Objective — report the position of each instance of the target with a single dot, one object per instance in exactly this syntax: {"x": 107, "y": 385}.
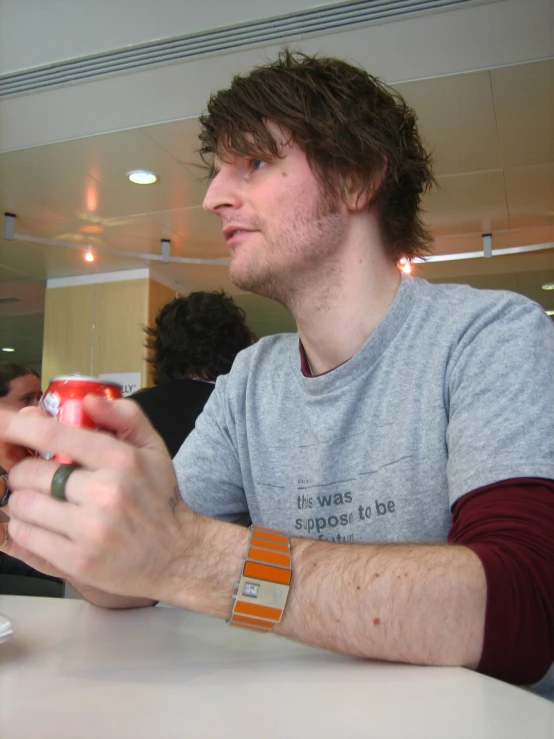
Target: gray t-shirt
{"x": 454, "y": 390}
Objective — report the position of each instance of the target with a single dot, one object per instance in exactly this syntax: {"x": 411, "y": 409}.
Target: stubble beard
{"x": 309, "y": 241}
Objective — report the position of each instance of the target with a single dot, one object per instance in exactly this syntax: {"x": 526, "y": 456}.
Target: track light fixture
{"x": 487, "y": 246}
{"x": 9, "y": 226}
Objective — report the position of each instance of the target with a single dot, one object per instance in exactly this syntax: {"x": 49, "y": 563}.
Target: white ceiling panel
{"x": 180, "y": 140}
{"x": 191, "y": 231}
{"x": 88, "y": 177}
{"x": 49, "y": 180}
{"x": 473, "y": 242}
{"x": 468, "y": 203}
{"x": 40, "y": 262}
{"x": 540, "y": 262}
{"x": 191, "y": 277}
{"x": 456, "y": 116}
{"x": 198, "y": 227}
{"x": 524, "y": 101}
{"x": 530, "y": 194}
{"x": 460, "y": 40}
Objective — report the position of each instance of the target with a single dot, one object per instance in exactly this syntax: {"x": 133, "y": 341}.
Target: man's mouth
{"x": 233, "y": 234}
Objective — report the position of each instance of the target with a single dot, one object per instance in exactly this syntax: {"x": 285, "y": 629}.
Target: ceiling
{"x": 491, "y": 129}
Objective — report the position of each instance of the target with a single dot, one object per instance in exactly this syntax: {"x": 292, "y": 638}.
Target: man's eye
{"x": 257, "y": 163}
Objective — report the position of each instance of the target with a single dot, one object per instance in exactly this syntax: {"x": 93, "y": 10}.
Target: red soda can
{"x": 63, "y": 400}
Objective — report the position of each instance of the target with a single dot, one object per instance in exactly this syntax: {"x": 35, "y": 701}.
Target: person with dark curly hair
{"x": 194, "y": 340}
{"x": 394, "y": 456}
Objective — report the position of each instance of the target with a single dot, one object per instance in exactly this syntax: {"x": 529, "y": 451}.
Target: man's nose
{"x": 222, "y": 193}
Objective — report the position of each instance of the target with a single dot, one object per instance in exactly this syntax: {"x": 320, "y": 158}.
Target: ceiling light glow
{"x": 142, "y": 177}
{"x": 8, "y": 349}
{"x": 89, "y": 256}
{"x": 548, "y": 286}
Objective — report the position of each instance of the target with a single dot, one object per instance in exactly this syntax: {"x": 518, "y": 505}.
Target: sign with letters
{"x": 129, "y": 381}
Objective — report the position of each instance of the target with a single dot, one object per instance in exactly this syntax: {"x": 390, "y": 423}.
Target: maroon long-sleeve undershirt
{"x": 510, "y": 527}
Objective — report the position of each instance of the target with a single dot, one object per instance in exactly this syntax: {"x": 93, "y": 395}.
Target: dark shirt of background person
{"x": 195, "y": 339}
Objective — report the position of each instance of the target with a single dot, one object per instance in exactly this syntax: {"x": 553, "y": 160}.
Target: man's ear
{"x": 359, "y": 198}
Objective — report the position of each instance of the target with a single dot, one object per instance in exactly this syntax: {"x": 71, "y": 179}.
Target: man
{"x": 195, "y": 339}
{"x": 402, "y": 442}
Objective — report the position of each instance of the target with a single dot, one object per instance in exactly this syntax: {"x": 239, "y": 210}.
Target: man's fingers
{"x": 34, "y": 410}
{"x": 41, "y": 510}
{"x": 11, "y": 454}
{"x": 44, "y": 550}
{"x": 36, "y": 474}
{"x": 125, "y": 419}
{"x": 89, "y": 448}
{"x": 37, "y": 563}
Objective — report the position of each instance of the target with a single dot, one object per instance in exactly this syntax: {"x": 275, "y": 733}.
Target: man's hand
{"x": 11, "y": 454}
{"x": 124, "y": 527}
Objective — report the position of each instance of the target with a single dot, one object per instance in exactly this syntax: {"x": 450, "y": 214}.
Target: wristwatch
{"x": 4, "y": 489}
{"x": 262, "y": 591}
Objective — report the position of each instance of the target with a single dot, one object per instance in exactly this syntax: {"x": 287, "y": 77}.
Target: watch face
{"x": 251, "y": 589}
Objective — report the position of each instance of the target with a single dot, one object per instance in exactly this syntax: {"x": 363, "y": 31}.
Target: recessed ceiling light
{"x": 142, "y": 177}
{"x": 8, "y": 349}
{"x": 548, "y": 286}
{"x": 89, "y": 256}
{"x": 550, "y": 312}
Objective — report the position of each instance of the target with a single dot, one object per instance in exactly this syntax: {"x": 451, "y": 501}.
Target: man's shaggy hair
{"x": 355, "y": 131}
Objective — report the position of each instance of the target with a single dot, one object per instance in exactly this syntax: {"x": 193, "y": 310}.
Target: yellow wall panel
{"x": 99, "y": 328}
{"x": 120, "y": 312}
{"x": 68, "y": 318}
{"x": 158, "y": 296}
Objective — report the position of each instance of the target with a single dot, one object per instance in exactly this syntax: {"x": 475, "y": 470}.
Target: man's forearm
{"x": 423, "y": 604}
{"x": 109, "y": 600}
{"x": 408, "y": 603}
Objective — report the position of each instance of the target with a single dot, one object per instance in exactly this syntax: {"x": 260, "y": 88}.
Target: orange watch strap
{"x": 261, "y": 593}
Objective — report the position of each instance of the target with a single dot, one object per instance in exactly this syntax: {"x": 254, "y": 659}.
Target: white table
{"x": 72, "y": 671}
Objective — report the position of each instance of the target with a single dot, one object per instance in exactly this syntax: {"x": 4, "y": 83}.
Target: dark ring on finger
{"x": 7, "y": 491}
{"x": 59, "y": 481}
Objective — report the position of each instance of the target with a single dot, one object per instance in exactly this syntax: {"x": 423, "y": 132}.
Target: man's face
{"x": 281, "y": 229}
{"x": 22, "y": 392}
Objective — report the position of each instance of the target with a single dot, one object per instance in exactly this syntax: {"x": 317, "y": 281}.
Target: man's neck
{"x": 335, "y": 318}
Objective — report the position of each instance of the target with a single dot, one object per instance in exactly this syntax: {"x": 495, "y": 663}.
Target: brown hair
{"x": 11, "y": 371}
{"x": 351, "y": 126}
